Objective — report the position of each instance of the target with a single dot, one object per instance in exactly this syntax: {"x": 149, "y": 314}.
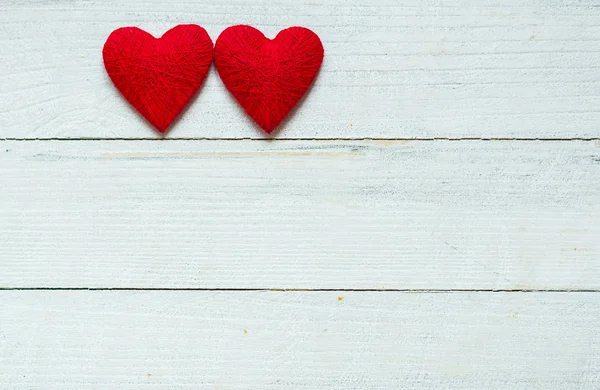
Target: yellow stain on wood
{"x": 340, "y": 298}
{"x": 148, "y": 375}
{"x": 388, "y": 142}
{"x": 245, "y": 331}
{"x": 228, "y": 154}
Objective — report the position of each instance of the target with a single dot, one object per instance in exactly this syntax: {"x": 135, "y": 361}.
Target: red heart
{"x": 158, "y": 76}
{"x": 268, "y": 77}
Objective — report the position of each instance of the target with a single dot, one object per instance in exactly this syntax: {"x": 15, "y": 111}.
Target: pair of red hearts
{"x": 159, "y": 76}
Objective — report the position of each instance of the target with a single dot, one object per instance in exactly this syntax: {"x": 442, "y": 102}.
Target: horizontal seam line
{"x": 307, "y": 139}
{"x": 300, "y": 290}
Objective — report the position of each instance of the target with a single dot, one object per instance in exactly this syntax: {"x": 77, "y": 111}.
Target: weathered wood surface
{"x": 325, "y": 211}
{"x": 301, "y": 214}
{"x": 408, "y": 69}
{"x": 299, "y": 340}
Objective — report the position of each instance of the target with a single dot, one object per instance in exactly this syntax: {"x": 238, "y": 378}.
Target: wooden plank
{"x": 301, "y": 214}
{"x": 275, "y": 340}
{"x": 393, "y": 69}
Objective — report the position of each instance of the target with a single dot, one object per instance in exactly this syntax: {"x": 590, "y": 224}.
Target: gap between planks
{"x": 233, "y": 289}
{"x": 296, "y": 139}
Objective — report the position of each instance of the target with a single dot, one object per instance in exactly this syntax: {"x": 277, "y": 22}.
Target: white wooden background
{"x": 428, "y": 218}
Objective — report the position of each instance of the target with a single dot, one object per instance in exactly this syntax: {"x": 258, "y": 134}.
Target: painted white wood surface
{"x": 387, "y": 215}
{"x": 299, "y": 340}
{"x": 393, "y": 69}
{"x": 301, "y": 214}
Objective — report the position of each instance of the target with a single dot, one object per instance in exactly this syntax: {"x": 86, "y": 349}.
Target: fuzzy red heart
{"x": 268, "y": 77}
{"x": 158, "y": 76}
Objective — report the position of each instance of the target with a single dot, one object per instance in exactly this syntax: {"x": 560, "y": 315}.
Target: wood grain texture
{"x": 307, "y": 214}
{"x": 301, "y": 214}
{"x": 393, "y": 69}
{"x": 274, "y": 340}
